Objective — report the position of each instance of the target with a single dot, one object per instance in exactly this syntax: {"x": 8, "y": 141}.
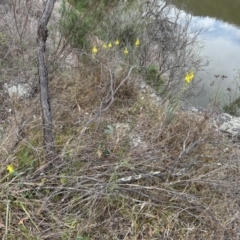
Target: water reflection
{"x": 225, "y": 10}
{"x": 220, "y": 21}
{"x": 222, "y": 47}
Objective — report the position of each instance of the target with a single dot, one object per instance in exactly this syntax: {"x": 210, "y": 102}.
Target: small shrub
{"x": 233, "y": 107}
{"x": 154, "y": 79}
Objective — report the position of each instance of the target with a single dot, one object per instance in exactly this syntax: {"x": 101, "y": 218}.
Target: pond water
{"x": 220, "y": 22}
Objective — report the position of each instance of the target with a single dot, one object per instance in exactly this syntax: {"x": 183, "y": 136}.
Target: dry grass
{"x": 128, "y": 173}
{"x": 195, "y": 195}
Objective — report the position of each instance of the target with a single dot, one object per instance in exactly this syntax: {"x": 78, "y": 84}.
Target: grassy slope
{"x": 194, "y": 199}
{"x": 84, "y": 195}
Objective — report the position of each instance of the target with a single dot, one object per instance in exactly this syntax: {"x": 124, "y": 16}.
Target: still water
{"x": 220, "y": 23}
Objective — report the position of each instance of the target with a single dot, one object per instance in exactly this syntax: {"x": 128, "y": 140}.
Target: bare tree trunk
{"x": 42, "y": 35}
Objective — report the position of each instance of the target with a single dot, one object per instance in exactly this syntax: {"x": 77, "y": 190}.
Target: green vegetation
{"x": 150, "y": 41}
{"x": 232, "y": 102}
{"x": 233, "y": 107}
{"x": 78, "y": 22}
{"x": 153, "y": 78}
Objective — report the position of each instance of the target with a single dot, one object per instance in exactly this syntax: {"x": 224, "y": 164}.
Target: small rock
{"x": 227, "y": 124}
{"x": 21, "y": 91}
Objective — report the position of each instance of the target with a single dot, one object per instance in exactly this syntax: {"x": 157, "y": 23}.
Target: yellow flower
{"x": 104, "y": 45}
{"x": 10, "y": 168}
{"x": 125, "y": 51}
{"x": 94, "y": 50}
{"x": 189, "y": 77}
{"x": 110, "y": 45}
{"x": 117, "y": 42}
{"x": 137, "y": 43}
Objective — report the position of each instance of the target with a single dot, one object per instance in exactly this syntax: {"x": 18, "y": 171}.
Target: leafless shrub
{"x": 168, "y": 42}
{"x": 18, "y": 60}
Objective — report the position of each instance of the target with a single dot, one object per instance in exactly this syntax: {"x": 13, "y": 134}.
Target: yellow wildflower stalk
{"x": 104, "y": 45}
{"x": 137, "y": 43}
{"x": 125, "y": 51}
{"x": 116, "y": 42}
{"x": 94, "y": 50}
{"x": 189, "y": 77}
{"x": 10, "y": 168}
{"x": 110, "y": 45}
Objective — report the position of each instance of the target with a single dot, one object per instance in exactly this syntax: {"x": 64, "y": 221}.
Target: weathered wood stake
{"x": 42, "y": 35}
